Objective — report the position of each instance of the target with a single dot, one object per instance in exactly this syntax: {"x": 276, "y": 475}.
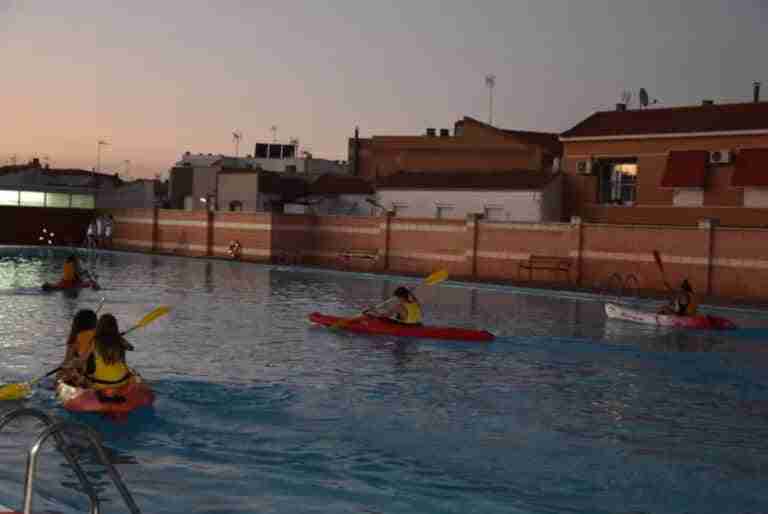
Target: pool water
{"x": 257, "y": 411}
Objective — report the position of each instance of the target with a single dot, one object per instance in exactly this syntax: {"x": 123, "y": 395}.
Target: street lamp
{"x": 490, "y": 82}
{"x": 99, "y": 144}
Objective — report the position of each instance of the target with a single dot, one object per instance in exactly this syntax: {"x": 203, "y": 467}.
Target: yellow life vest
{"x": 412, "y": 313}
{"x": 84, "y": 342}
{"x": 693, "y": 305}
{"x": 107, "y": 376}
{"x": 69, "y": 272}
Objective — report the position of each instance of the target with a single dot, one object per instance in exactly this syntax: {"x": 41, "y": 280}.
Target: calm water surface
{"x": 257, "y": 411}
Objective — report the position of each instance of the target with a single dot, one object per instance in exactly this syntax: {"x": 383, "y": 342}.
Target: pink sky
{"x": 158, "y": 78}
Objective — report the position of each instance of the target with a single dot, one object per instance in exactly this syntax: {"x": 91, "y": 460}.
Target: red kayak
{"x": 701, "y": 322}
{"x": 65, "y": 286}
{"x": 121, "y": 400}
{"x": 374, "y": 325}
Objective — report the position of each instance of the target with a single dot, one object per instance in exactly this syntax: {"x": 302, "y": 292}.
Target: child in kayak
{"x": 79, "y": 346}
{"x": 407, "y": 310}
{"x": 72, "y": 273}
{"x": 684, "y": 302}
{"x": 107, "y": 368}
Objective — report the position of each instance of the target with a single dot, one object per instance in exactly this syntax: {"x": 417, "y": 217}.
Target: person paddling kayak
{"x": 407, "y": 310}
{"x": 684, "y": 302}
{"x": 72, "y": 273}
{"x": 79, "y": 346}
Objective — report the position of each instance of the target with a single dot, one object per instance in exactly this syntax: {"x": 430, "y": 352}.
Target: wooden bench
{"x": 543, "y": 262}
{"x": 347, "y": 256}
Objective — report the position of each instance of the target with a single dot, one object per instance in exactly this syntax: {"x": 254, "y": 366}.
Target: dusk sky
{"x": 157, "y": 78}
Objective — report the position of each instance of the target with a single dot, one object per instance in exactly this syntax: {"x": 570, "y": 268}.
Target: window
{"x": 688, "y": 197}
{"x": 262, "y": 151}
{"x": 493, "y": 213}
{"x": 9, "y": 197}
{"x": 617, "y": 182}
{"x": 56, "y": 200}
{"x": 275, "y": 151}
{"x": 444, "y": 211}
{"x": 32, "y": 198}
{"x": 399, "y": 209}
{"x": 83, "y": 202}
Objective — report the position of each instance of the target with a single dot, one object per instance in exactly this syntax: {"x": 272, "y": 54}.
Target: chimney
{"x": 707, "y": 102}
{"x": 431, "y": 132}
{"x": 756, "y": 91}
{"x": 621, "y": 107}
{"x": 444, "y": 132}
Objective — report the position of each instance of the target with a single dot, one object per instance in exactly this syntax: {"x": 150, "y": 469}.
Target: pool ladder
{"x": 56, "y": 429}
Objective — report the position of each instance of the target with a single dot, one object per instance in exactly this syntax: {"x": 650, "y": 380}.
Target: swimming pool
{"x": 259, "y": 412}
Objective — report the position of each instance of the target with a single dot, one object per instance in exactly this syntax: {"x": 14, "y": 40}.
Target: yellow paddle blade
{"x": 436, "y": 277}
{"x": 15, "y": 391}
{"x": 152, "y": 316}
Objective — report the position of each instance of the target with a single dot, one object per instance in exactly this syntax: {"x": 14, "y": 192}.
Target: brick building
{"x": 670, "y": 165}
{"x": 474, "y": 146}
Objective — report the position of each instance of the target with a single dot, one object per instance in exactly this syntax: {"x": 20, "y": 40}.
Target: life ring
{"x": 235, "y": 249}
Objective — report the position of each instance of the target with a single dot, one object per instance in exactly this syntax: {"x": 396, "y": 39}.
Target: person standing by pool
{"x": 108, "y": 228}
{"x": 407, "y": 310}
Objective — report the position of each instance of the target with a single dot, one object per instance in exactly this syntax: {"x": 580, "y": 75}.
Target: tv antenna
{"x": 273, "y": 129}
{"x": 236, "y": 137}
{"x": 490, "y": 83}
{"x": 626, "y": 97}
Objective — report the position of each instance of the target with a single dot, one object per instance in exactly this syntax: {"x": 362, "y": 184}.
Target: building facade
{"x": 473, "y": 147}
{"x": 670, "y": 165}
{"x": 513, "y": 196}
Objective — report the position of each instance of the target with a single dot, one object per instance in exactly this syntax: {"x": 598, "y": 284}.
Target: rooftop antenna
{"x": 643, "y": 96}
{"x": 626, "y": 97}
{"x": 99, "y": 144}
{"x": 236, "y": 137}
{"x": 490, "y": 83}
{"x": 273, "y": 129}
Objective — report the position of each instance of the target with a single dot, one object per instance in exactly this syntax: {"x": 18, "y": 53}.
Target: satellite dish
{"x": 643, "y": 95}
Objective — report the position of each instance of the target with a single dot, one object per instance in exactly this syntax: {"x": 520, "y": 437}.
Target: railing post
{"x": 387, "y": 227}
{"x": 209, "y": 227}
{"x": 473, "y": 227}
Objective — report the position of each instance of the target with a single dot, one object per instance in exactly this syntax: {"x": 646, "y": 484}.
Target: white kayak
{"x": 705, "y": 322}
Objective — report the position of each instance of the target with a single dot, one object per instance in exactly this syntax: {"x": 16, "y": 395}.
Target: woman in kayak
{"x": 684, "y": 303}
{"x": 107, "y": 367}
{"x": 407, "y": 310}
{"x": 72, "y": 274}
{"x": 79, "y": 346}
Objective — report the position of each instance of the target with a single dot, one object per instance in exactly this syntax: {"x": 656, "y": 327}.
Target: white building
{"x": 194, "y": 177}
{"x": 523, "y": 196}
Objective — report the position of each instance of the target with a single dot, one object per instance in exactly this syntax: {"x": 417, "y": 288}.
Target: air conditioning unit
{"x": 584, "y": 167}
{"x": 720, "y": 157}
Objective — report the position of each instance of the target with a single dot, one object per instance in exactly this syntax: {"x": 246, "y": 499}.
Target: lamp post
{"x": 490, "y": 82}
{"x": 99, "y": 144}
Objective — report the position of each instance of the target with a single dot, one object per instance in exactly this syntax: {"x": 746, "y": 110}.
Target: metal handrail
{"x": 94, "y": 439}
{"x": 62, "y": 446}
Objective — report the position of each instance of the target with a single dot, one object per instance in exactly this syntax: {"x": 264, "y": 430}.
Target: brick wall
{"x": 651, "y": 154}
{"x": 718, "y": 260}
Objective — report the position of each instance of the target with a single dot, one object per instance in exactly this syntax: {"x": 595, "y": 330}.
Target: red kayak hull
{"x": 64, "y": 286}
{"x": 373, "y": 325}
{"x": 135, "y": 395}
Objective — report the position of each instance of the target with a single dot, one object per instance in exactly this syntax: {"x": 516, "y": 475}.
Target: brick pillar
{"x": 209, "y": 227}
{"x": 472, "y": 229}
{"x": 155, "y": 227}
{"x": 707, "y": 226}
{"x": 386, "y": 227}
{"x": 577, "y": 242}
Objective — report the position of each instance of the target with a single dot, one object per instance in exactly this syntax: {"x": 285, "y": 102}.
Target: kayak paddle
{"x": 21, "y": 390}
{"x": 435, "y": 278}
{"x": 657, "y": 257}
